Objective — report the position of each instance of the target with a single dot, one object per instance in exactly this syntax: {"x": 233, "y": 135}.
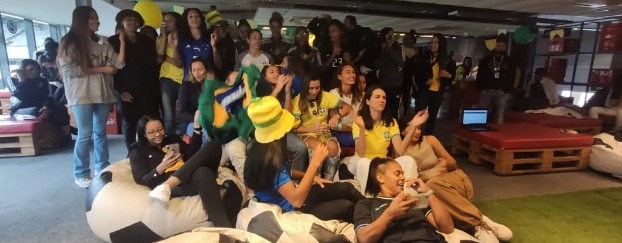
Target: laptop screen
{"x": 470, "y": 117}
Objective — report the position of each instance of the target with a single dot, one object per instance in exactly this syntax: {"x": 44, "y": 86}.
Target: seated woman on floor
{"x": 452, "y": 186}
{"x": 278, "y": 85}
{"x": 32, "y": 97}
{"x": 390, "y": 216}
{"x": 374, "y": 131}
{"x": 268, "y": 172}
{"x": 348, "y": 90}
{"x": 173, "y": 168}
{"x": 317, "y": 112}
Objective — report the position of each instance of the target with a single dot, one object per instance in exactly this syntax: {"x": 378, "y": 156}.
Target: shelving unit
{"x": 581, "y": 64}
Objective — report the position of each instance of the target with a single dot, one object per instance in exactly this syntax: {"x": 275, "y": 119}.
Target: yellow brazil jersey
{"x": 436, "y": 81}
{"x": 378, "y": 140}
{"x": 169, "y": 70}
{"x": 317, "y": 113}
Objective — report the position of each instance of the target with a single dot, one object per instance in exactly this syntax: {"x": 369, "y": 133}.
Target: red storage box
{"x": 113, "y": 124}
{"x": 556, "y": 69}
{"x": 611, "y": 38}
{"x": 604, "y": 77}
{"x": 564, "y": 45}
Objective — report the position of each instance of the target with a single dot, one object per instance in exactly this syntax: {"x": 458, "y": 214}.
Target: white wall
{"x": 59, "y": 11}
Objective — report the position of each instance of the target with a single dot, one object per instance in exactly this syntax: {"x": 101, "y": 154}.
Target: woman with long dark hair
{"x": 268, "y": 172}
{"x": 87, "y": 62}
{"x": 171, "y": 70}
{"x": 348, "y": 90}
{"x": 224, "y": 49}
{"x": 302, "y": 48}
{"x": 433, "y": 73}
{"x": 390, "y": 69}
{"x": 463, "y": 71}
{"x": 391, "y": 216}
{"x": 335, "y": 54}
{"x": 193, "y": 39}
{"x": 452, "y": 186}
{"x": 173, "y": 168}
{"x": 137, "y": 83}
{"x": 317, "y": 112}
{"x": 374, "y": 131}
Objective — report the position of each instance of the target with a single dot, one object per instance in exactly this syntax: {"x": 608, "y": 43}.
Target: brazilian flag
{"x": 223, "y": 106}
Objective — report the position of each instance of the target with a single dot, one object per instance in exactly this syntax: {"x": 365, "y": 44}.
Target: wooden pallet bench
{"x": 540, "y": 155}
{"x": 524, "y": 161}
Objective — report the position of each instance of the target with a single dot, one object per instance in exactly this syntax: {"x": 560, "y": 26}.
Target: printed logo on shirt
{"x": 322, "y": 109}
{"x": 379, "y": 207}
{"x": 386, "y": 134}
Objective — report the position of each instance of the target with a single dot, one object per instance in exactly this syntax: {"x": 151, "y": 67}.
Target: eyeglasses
{"x": 153, "y": 133}
{"x": 302, "y": 34}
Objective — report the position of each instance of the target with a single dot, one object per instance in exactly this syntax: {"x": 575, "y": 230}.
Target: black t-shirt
{"x": 412, "y": 227}
{"x": 537, "y": 91}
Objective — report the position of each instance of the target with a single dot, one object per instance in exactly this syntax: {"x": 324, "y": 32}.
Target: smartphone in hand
{"x": 173, "y": 147}
{"x": 422, "y": 198}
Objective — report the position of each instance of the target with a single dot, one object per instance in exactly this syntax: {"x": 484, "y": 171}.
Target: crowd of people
{"x": 277, "y": 113}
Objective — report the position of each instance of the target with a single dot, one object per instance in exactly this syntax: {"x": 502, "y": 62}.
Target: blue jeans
{"x": 91, "y": 121}
{"x": 298, "y": 147}
{"x": 170, "y": 92}
{"x": 190, "y": 131}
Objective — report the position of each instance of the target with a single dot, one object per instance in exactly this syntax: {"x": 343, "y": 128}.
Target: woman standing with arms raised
{"x": 87, "y": 62}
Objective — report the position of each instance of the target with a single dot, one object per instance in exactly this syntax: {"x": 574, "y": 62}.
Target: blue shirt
{"x": 191, "y": 49}
{"x": 273, "y": 196}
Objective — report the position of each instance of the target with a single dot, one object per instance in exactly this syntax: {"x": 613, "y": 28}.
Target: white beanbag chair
{"x": 269, "y": 222}
{"x": 607, "y": 159}
{"x": 216, "y": 235}
{"x": 119, "y": 210}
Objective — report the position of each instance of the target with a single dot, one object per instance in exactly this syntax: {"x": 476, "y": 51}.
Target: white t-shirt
{"x": 347, "y": 120}
{"x": 245, "y": 58}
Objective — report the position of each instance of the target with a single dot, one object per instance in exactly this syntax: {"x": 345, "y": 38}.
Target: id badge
{"x": 497, "y": 75}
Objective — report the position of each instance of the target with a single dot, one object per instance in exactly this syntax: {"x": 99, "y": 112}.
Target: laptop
{"x": 476, "y": 120}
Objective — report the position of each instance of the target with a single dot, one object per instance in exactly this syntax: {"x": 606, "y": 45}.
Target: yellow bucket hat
{"x": 271, "y": 121}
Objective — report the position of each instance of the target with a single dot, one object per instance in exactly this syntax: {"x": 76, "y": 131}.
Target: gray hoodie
{"x": 82, "y": 88}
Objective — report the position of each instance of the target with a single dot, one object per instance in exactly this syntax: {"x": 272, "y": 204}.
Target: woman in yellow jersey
{"x": 374, "y": 131}
{"x": 317, "y": 112}
{"x": 433, "y": 73}
{"x": 171, "y": 72}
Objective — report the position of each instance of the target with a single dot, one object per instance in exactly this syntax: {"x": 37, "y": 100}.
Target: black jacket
{"x": 423, "y": 72}
{"x": 144, "y": 158}
{"x": 188, "y": 103}
{"x": 31, "y": 93}
{"x": 485, "y": 74}
{"x": 140, "y": 73}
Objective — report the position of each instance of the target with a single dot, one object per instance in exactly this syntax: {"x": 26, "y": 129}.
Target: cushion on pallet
{"x": 9, "y": 126}
{"x": 525, "y": 136}
{"x": 5, "y": 94}
{"x": 551, "y": 120}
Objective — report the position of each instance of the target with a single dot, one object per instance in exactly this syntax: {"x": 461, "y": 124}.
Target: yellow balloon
{"x": 150, "y": 12}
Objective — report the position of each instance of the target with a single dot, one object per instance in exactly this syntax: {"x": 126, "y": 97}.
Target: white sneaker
{"x": 485, "y": 235}
{"x": 83, "y": 182}
{"x": 501, "y": 231}
{"x": 162, "y": 193}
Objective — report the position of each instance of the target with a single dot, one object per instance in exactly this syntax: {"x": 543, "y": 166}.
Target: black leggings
{"x": 432, "y": 100}
{"x": 198, "y": 176}
{"x": 334, "y": 201}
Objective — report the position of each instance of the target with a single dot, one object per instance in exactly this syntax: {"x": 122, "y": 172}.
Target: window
{"x": 42, "y": 31}
{"x": 15, "y": 39}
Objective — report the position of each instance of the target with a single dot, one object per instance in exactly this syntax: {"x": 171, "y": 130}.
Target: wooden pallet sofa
{"x": 522, "y": 148}
{"x": 583, "y": 125}
{"x": 24, "y": 138}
